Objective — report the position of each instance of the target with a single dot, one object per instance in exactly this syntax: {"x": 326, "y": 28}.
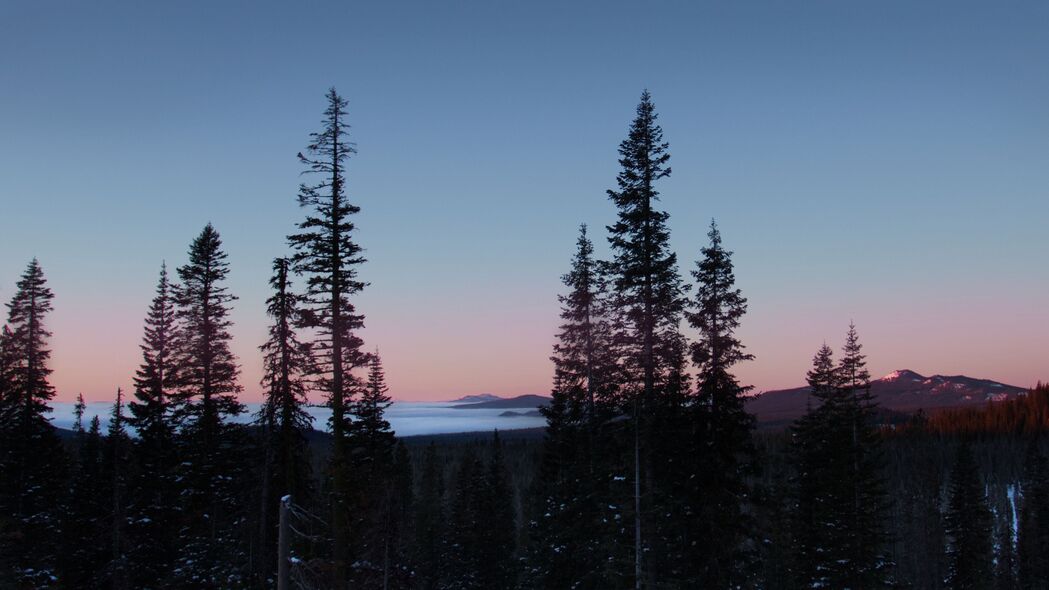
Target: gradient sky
{"x": 885, "y": 162}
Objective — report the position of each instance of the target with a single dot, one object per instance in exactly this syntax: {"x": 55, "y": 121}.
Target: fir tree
{"x": 327, "y": 254}
{"x": 207, "y": 389}
{"x": 970, "y": 554}
{"x": 841, "y": 495}
{"x": 30, "y": 453}
{"x": 564, "y": 548}
{"x": 648, "y": 300}
{"x": 86, "y": 540}
{"x": 117, "y": 459}
{"x": 867, "y": 564}
{"x": 714, "y": 474}
{"x": 283, "y": 418}
{"x": 152, "y": 495}
{"x": 372, "y": 461}
{"x": 811, "y": 441}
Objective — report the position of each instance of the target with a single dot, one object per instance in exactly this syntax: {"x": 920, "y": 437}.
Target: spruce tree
{"x": 648, "y": 299}
{"x": 152, "y": 495}
{"x": 865, "y": 545}
{"x": 715, "y": 470}
{"x": 372, "y": 462}
{"x": 970, "y": 554}
{"x": 328, "y": 255}
{"x": 812, "y": 454}
{"x": 31, "y": 456}
{"x": 117, "y": 458}
{"x": 842, "y": 500}
{"x": 207, "y": 393}
{"x": 86, "y": 539}
{"x": 283, "y": 418}
{"x": 566, "y": 529}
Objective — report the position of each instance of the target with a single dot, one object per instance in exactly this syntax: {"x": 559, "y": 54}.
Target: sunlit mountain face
{"x": 900, "y": 391}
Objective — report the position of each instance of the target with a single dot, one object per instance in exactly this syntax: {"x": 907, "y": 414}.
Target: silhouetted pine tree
{"x": 31, "y": 457}
{"x": 327, "y": 254}
{"x": 85, "y": 539}
{"x": 117, "y": 459}
{"x": 714, "y": 491}
{"x": 811, "y": 437}
{"x": 283, "y": 419}
{"x": 865, "y": 545}
{"x": 841, "y": 493}
{"x": 648, "y": 297}
{"x": 373, "y": 444}
{"x": 152, "y": 518}
{"x": 1032, "y": 539}
{"x": 969, "y": 522}
{"x": 566, "y": 530}
{"x": 210, "y": 547}
{"x": 430, "y": 522}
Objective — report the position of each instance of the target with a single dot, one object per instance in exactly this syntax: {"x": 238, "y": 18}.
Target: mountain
{"x": 521, "y": 401}
{"x": 480, "y": 397}
{"x": 900, "y": 391}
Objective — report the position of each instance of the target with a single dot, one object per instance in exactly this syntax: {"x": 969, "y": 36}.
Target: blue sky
{"x": 885, "y": 162}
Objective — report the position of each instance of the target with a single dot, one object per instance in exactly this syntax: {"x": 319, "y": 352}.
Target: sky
{"x": 885, "y": 163}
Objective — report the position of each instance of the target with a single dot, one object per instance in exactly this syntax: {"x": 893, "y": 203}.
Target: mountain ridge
{"x": 902, "y": 390}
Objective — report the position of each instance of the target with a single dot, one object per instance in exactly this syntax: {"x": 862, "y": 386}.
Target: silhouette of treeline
{"x": 1022, "y": 415}
{"x": 650, "y": 473}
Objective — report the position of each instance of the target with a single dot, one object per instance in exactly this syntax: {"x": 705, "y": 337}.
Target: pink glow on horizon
{"x": 485, "y": 348}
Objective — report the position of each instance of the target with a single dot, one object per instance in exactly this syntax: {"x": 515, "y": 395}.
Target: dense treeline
{"x": 650, "y": 473}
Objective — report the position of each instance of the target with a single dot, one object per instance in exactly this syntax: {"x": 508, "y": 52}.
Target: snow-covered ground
{"x": 406, "y": 418}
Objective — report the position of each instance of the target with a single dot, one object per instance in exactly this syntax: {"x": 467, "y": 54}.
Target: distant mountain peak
{"x": 479, "y": 397}
{"x": 902, "y": 374}
{"x": 902, "y": 391}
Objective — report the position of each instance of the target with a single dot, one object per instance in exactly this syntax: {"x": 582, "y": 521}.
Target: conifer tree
{"x": 714, "y": 473}
{"x": 117, "y": 459}
{"x": 841, "y": 495}
{"x": 865, "y": 544}
{"x": 565, "y": 532}
{"x": 85, "y": 541}
{"x": 811, "y": 439}
{"x": 328, "y": 255}
{"x": 30, "y": 453}
{"x": 207, "y": 393}
{"x": 283, "y": 418}
{"x": 648, "y": 300}
{"x": 372, "y": 461}
{"x": 970, "y": 554}
{"x": 152, "y": 494}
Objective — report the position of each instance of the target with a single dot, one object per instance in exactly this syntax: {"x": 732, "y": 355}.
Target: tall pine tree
{"x": 283, "y": 418}
{"x": 152, "y": 501}
{"x": 648, "y": 298}
{"x": 714, "y": 471}
{"x": 567, "y": 528}
{"x": 207, "y": 391}
{"x": 30, "y": 454}
{"x": 328, "y": 255}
